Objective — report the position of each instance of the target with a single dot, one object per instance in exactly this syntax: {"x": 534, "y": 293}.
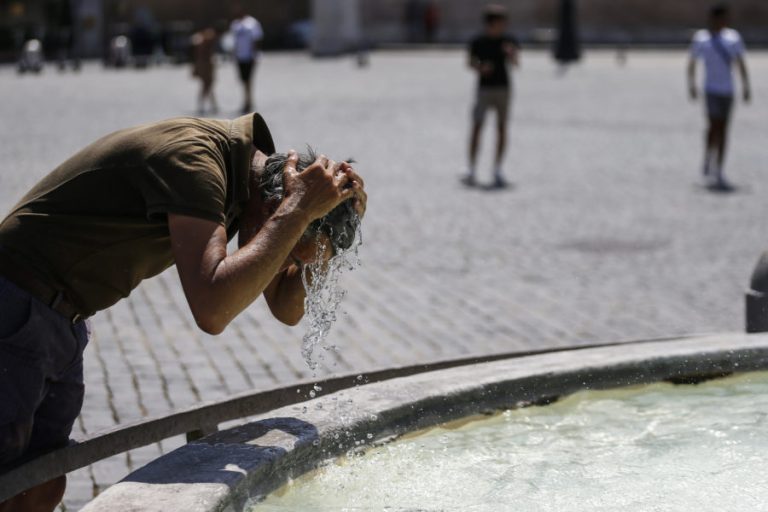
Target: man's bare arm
{"x": 692, "y": 92}
{"x": 219, "y": 286}
{"x": 746, "y": 90}
{"x": 513, "y": 54}
{"x": 285, "y": 296}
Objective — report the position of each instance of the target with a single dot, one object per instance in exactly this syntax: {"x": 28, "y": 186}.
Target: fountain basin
{"x": 231, "y": 469}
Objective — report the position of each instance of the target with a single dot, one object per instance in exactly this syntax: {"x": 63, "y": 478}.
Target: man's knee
{"x": 14, "y": 441}
{"x": 42, "y": 498}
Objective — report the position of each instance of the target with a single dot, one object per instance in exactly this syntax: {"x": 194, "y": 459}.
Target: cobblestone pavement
{"x": 606, "y": 234}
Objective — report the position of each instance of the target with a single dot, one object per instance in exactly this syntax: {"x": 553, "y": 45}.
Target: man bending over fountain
{"x": 126, "y": 208}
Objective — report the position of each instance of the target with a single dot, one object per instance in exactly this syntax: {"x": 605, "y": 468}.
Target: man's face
{"x": 497, "y": 27}
{"x": 719, "y": 22}
{"x": 306, "y": 249}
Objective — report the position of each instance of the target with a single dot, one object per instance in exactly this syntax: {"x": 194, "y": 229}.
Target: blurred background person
{"x": 247, "y": 33}
{"x": 719, "y": 47}
{"x": 204, "y": 43}
{"x": 31, "y": 57}
{"x": 143, "y": 36}
{"x": 61, "y": 36}
{"x": 431, "y": 20}
{"x": 489, "y": 56}
{"x": 412, "y": 18}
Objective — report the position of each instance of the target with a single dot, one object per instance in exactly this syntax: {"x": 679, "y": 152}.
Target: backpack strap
{"x": 717, "y": 44}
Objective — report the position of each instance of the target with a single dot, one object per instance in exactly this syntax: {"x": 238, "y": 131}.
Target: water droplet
{"x": 312, "y": 393}
{"x": 369, "y": 435}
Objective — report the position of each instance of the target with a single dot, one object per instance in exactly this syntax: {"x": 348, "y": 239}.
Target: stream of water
{"x": 324, "y": 294}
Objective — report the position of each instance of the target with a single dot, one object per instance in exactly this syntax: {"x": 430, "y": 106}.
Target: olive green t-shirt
{"x": 97, "y": 226}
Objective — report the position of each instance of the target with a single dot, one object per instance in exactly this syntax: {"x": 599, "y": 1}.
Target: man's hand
{"x": 357, "y": 185}
{"x": 511, "y": 51}
{"x": 316, "y": 190}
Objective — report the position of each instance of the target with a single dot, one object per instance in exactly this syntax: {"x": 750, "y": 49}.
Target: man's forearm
{"x": 285, "y": 296}
{"x": 219, "y": 286}
{"x": 744, "y": 74}
{"x": 241, "y": 277}
{"x": 691, "y": 74}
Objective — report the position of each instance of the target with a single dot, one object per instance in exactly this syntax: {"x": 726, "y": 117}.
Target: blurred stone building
{"x": 601, "y": 21}
{"x": 288, "y": 23}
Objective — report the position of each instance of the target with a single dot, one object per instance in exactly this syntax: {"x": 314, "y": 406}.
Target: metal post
{"x": 757, "y": 297}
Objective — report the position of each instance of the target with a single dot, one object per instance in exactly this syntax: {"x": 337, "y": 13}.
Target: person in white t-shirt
{"x": 720, "y": 48}
{"x": 247, "y": 34}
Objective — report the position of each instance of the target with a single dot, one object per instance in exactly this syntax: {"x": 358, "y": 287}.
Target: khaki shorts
{"x": 494, "y": 98}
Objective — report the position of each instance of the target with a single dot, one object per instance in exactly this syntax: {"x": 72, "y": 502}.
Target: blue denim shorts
{"x": 41, "y": 376}
{"x": 719, "y": 106}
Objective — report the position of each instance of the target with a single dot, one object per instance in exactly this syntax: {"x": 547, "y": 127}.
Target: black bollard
{"x": 757, "y": 297}
{"x": 567, "y": 46}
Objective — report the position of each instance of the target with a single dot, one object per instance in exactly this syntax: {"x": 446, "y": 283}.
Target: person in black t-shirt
{"x": 489, "y": 55}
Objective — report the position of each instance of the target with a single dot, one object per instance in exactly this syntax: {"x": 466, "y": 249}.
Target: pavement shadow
{"x": 489, "y": 187}
{"x": 729, "y": 190}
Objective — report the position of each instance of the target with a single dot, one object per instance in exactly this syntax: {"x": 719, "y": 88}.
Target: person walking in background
{"x": 489, "y": 55}
{"x": 247, "y": 34}
{"x": 203, "y": 48}
{"x": 719, "y": 47}
{"x": 431, "y": 20}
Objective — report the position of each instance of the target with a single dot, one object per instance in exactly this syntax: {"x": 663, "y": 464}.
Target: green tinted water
{"x": 650, "y": 448}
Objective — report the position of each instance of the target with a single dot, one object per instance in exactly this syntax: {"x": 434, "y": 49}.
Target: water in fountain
{"x": 658, "y": 447}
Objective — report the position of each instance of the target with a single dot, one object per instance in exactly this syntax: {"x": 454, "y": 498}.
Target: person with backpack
{"x": 721, "y": 49}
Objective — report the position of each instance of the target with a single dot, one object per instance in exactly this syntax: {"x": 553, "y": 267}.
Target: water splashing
{"x": 324, "y": 294}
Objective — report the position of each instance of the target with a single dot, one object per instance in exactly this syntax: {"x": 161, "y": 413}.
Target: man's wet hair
{"x": 340, "y": 224}
{"x": 493, "y": 13}
{"x": 719, "y": 10}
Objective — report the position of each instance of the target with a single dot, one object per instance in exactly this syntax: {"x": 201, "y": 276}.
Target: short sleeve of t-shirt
{"x": 187, "y": 178}
{"x": 258, "y": 32}
{"x": 696, "y": 45}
